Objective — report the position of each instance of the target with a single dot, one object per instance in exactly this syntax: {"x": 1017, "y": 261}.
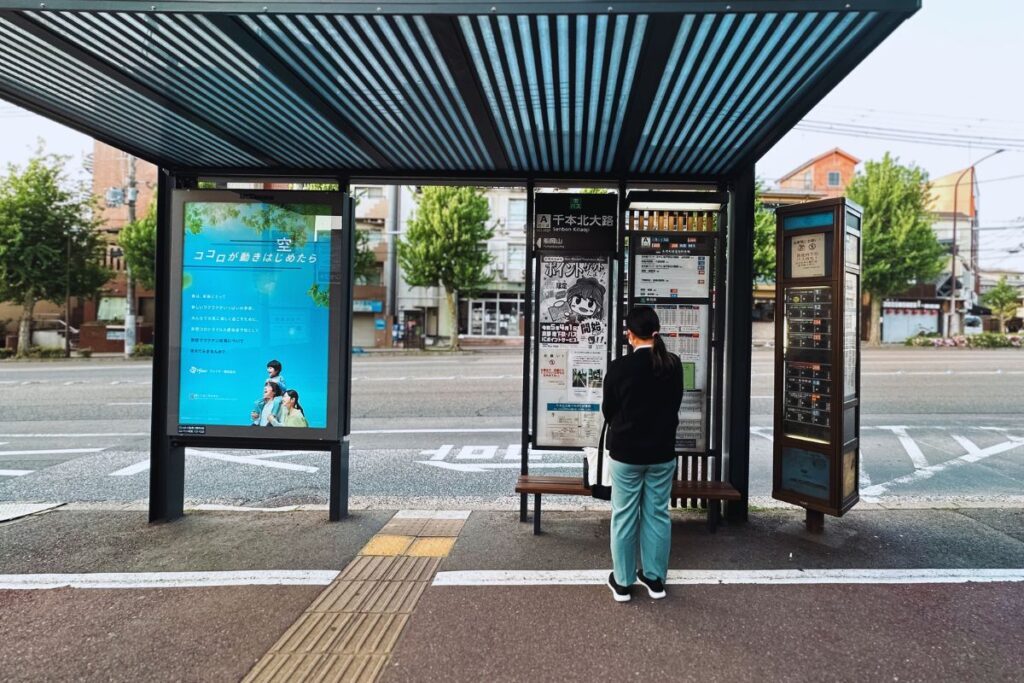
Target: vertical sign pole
{"x": 740, "y": 330}
{"x": 340, "y": 450}
{"x": 524, "y": 452}
{"x": 167, "y": 460}
{"x": 619, "y": 307}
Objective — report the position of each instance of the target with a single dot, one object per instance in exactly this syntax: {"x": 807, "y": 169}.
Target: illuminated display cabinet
{"x": 817, "y": 356}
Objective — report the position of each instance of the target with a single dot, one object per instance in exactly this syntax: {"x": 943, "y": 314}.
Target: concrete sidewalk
{"x": 222, "y": 596}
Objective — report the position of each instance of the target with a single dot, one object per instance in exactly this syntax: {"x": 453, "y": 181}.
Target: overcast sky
{"x": 955, "y": 67}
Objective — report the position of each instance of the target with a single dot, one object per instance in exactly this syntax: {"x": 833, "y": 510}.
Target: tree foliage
{"x": 49, "y": 247}
{"x": 764, "y": 239}
{"x": 899, "y": 246}
{"x": 1003, "y": 300}
{"x": 138, "y": 240}
{"x": 445, "y": 244}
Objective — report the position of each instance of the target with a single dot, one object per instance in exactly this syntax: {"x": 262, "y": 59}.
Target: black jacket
{"x": 642, "y": 409}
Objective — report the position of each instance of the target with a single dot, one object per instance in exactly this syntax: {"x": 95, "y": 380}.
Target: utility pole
{"x": 131, "y": 194}
{"x": 954, "y": 321}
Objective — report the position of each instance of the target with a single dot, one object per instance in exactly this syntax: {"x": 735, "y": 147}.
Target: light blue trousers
{"x": 640, "y": 496}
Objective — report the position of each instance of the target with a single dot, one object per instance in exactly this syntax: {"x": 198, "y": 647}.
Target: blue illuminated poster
{"x": 255, "y": 285}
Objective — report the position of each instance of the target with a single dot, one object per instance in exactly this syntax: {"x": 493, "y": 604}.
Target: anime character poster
{"x": 255, "y": 315}
{"x": 573, "y": 334}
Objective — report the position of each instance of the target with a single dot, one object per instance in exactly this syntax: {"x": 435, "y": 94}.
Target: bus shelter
{"x": 633, "y": 96}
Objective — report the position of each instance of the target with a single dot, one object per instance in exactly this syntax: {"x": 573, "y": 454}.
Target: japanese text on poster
{"x": 255, "y": 285}
{"x": 807, "y": 255}
{"x": 573, "y": 329}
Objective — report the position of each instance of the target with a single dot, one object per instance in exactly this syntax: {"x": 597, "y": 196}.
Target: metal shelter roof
{"x": 639, "y": 90}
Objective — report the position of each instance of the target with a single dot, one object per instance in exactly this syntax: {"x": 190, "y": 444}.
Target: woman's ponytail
{"x": 661, "y": 361}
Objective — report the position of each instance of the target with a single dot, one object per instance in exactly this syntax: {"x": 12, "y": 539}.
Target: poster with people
{"x": 573, "y": 315}
{"x": 255, "y": 294}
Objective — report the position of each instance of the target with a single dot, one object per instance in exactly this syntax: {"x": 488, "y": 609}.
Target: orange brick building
{"x": 827, "y": 174}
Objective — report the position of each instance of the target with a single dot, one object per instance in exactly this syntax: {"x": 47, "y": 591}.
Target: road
{"x": 941, "y": 426}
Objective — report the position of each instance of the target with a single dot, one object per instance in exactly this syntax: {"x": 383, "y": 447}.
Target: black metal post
{"x": 339, "y": 481}
{"x": 740, "y": 344}
{"x": 167, "y": 459}
{"x": 524, "y": 454}
{"x": 338, "y": 507}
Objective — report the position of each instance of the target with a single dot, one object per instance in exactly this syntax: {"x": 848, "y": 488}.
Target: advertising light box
{"x": 257, "y": 352}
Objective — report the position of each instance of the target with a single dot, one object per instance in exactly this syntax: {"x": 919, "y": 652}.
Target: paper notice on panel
{"x": 672, "y": 276}
{"x": 573, "y": 326}
{"x": 807, "y": 255}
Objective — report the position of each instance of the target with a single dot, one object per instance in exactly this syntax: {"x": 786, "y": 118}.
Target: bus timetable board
{"x": 817, "y": 356}
{"x": 671, "y": 272}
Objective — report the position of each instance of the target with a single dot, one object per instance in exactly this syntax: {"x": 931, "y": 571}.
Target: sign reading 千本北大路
{"x": 575, "y": 222}
{"x": 254, "y": 346}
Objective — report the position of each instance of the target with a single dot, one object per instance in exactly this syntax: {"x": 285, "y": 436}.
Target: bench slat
{"x": 573, "y": 486}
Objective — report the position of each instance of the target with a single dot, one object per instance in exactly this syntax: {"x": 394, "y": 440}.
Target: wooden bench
{"x": 539, "y": 485}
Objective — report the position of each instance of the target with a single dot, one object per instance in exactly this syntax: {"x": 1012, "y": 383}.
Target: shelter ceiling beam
{"x": 233, "y": 28}
{"x": 653, "y": 60}
{"x": 46, "y": 110}
{"x": 465, "y": 6}
{"x": 59, "y": 43}
{"x": 456, "y": 55}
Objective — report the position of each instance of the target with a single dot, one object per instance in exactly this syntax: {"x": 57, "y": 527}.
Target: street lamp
{"x": 952, "y": 273}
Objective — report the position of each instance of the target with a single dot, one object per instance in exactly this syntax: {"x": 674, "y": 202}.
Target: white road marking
{"x": 15, "y": 473}
{"x": 130, "y": 403}
{"x": 242, "y": 460}
{"x": 131, "y": 469}
{"x": 595, "y": 577}
{"x": 62, "y": 368}
{"x": 71, "y": 436}
{"x": 974, "y": 454}
{"x": 477, "y": 453}
{"x": 276, "y": 577}
{"x": 764, "y": 433}
{"x": 909, "y": 445}
{"x": 56, "y": 451}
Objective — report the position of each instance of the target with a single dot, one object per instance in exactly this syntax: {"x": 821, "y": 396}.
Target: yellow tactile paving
{"x": 385, "y": 544}
{"x": 407, "y": 568}
{"x": 431, "y": 547}
{"x": 442, "y": 527}
{"x": 369, "y": 568}
{"x": 349, "y": 631}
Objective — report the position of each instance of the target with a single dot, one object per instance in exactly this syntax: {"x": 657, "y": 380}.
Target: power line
{"x": 905, "y": 135}
{"x": 980, "y": 182}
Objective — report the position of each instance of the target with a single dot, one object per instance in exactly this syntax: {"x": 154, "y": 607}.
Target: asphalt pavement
{"x": 898, "y": 595}
{"x": 939, "y": 427}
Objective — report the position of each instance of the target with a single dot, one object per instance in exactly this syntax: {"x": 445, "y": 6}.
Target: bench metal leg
{"x": 536, "y": 514}
{"x": 714, "y": 515}
{"x": 522, "y": 507}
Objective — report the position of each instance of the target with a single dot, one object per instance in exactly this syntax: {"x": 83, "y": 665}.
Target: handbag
{"x": 597, "y": 476}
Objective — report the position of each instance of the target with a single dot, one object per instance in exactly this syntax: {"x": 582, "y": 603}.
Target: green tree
{"x": 445, "y": 244}
{"x": 764, "y": 239}
{"x": 1003, "y": 299}
{"x": 138, "y": 240}
{"x": 899, "y": 246}
{"x": 49, "y": 248}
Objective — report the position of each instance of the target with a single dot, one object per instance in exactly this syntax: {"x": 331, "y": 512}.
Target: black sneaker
{"x": 655, "y": 588}
{"x": 620, "y": 593}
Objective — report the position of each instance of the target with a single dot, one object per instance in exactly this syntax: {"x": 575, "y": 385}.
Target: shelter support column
{"x": 167, "y": 459}
{"x": 739, "y": 338}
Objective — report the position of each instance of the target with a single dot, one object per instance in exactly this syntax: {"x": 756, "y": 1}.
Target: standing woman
{"x": 642, "y": 393}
